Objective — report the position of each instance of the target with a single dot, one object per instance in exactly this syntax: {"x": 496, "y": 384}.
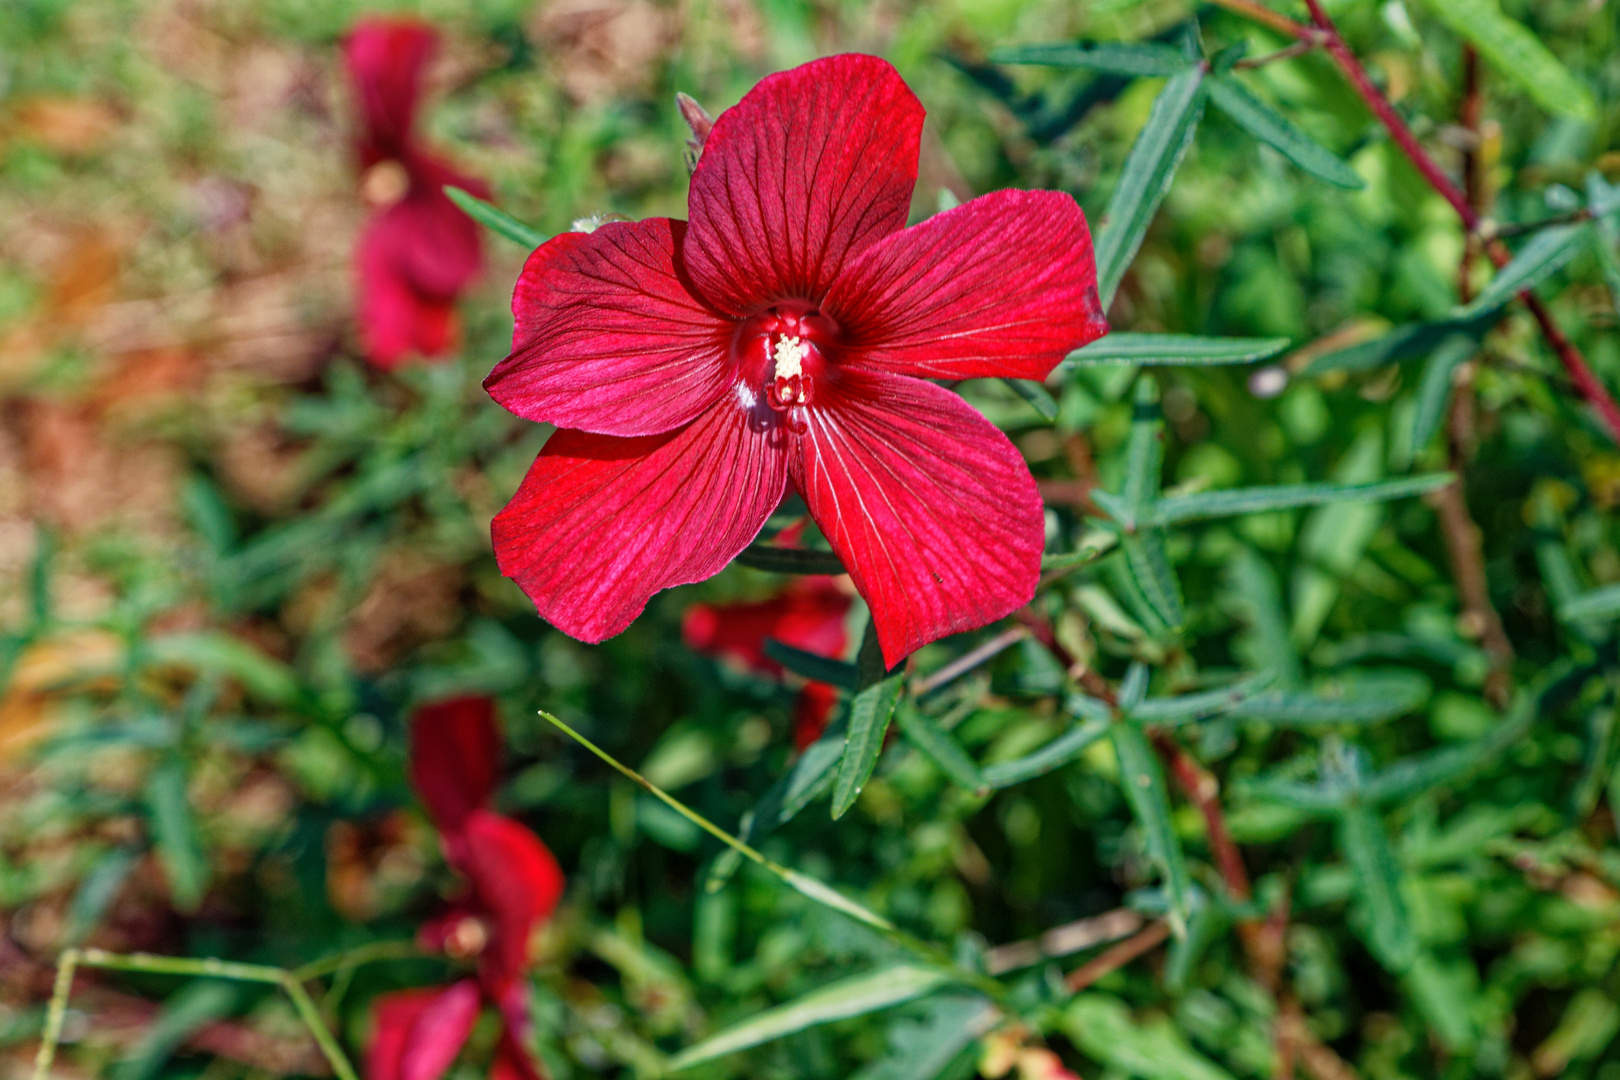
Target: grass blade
{"x": 855, "y": 996}
{"x": 1146, "y": 177}
{"x": 495, "y": 219}
{"x": 1271, "y": 127}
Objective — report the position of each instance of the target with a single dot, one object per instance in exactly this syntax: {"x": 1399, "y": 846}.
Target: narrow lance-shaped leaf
{"x": 1187, "y": 708}
{"x": 1413, "y": 776}
{"x": 1143, "y": 783}
{"x": 1255, "y": 587}
{"x": 1146, "y": 178}
{"x": 1434, "y": 392}
{"x": 1601, "y": 198}
{"x": 495, "y": 219}
{"x": 1258, "y": 500}
{"x": 1280, "y": 133}
{"x": 1517, "y": 53}
{"x": 1036, "y": 395}
{"x": 1149, "y": 568}
{"x": 1378, "y": 887}
{"x": 1597, "y": 605}
{"x": 934, "y": 1045}
{"x": 1054, "y": 755}
{"x": 839, "y": 673}
{"x": 1144, "y": 450}
{"x": 783, "y": 560}
{"x": 174, "y": 834}
{"x": 1547, "y": 252}
{"x": 1358, "y": 697}
{"x": 1402, "y": 343}
{"x": 1113, "y": 58}
{"x": 939, "y": 746}
{"x": 98, "y": 890}
{"x": 855, "y": 996}
{"x": 1171, "y": 350}
{"x": 869, "y": 715}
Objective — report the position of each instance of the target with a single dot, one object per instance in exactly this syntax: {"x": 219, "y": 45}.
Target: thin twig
{"x": 1298, "y": 48}
{"x": 1586, "y": 382}
{"x": 1063, "y": 940}
{"x": 969, "y": 660}
{"x": 1117, "y": 957}
{"x": 1204, "y": 791}
{"x": 1274, "y": 19}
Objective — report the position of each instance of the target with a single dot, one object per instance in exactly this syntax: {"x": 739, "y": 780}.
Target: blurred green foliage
{"x": 232, "y": 560}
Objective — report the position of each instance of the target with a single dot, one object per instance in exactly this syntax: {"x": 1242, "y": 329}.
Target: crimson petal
{"x": 928, "y": 504}
{"x": 1004, "y": 285}
{"x": 396, "y": 318}
{"x": 812, "y": 166}
{"x": 420, "y": 1032}
{"x": 455, "y": 758}
{"x": 385, "y": 58}
{"x": 518, "y": 883}
{"x": 608, "y": 338}
{"x": 600, "y": 524}
{"x": 807, "y": 615}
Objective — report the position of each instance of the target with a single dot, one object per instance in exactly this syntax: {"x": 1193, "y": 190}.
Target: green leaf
{"x": 210, "y": 652}
{"x": 839, "y": 673}
{"x": 1258, "y": 500}
{"x": 1378, "y": 887}
{"x": 1171, "y": 349}
{"x": 1038, "y": 397}
{"x": 1596, "y": 604}
{"x": 1413, "y": 776}
{"x": 931, "y": 1046}
{"x": 1402, "y": 343}
{"x": 1143, "y": 782}
{"x": 1150, "y": 569}
{"x": 187, "y": 1011}
{"x": 1434, "y": 392}
{"x": 98, "y": 890}
{"x": 869, "y": 716}
{"x": 1187, "y": 708}
{"x": 855, "y": 996}
{"x": 782, "y": 560}
{"x": 1146, "y": 178}
{"x": 1518, "y": 54}
{"x": 1546, "y": 253}
{"x": 174, "y": 834}
{"x": 1092, "y": 546}
{"x": 1144, "y": 451}
{"x": 1274, "y": 129}
{"x": 1054, "y": 755}
{"x": 1361, "y": 699}
{"x": 495, "y": 219}
{"x": 1133, "y": 687}
{"x": 940, "y": 747}
{"x": 1104, "y": 1030}
{"x": 1601, "y": 199}
{"x": 1131, "y": 59}
{"x": 1254, "y": 586}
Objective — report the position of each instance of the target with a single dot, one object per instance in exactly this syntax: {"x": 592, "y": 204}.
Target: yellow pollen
{"x": 789, "y": 355}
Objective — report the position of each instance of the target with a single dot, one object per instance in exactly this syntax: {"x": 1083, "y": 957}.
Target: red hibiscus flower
{"x": 419, "y": 254}
{"x": 513, "y": 883}
{"x": 788, "y": 332}
{"x": 809, "y": 615}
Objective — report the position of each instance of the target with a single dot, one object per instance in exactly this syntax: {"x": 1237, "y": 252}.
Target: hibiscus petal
{"x": 397, "y": 319}
{"x": 455, "y": 757}
{"x": 600, "y": 524}
{"x": 812, "y": 166}
{"x": 608, "y": 338}
{"x": 926, "y": 502}
{"x": 441, "y": 249}
{"x": 419, "y": 1032}
{"x": 1004, "y": 285}
{"x": 385, "y": 58}
{"x": 517, "y": 882}
{"x": 808, "y": 614}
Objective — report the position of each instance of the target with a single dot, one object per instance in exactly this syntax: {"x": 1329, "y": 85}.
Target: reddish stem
{"x": 1205, "y": 792}
{"x": 1586, "y": 382}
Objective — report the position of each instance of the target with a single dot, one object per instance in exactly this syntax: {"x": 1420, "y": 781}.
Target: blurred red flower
{"x": 513, "y": 884}
{"x": 788, "y": 332}
{"x": 809, "y": 614}
{"x": 419, "y": 253}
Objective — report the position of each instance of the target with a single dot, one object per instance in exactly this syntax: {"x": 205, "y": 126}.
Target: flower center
{"x": 783, "y": 351}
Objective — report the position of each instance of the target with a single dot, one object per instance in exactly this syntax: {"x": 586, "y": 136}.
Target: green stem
{"x": 317, "y": 1027}
{"x": 818, "y": 891}
{"x": 204, "y": 967}
{"x": 55, "y": 1013}
{"x": 362, "y": 954}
